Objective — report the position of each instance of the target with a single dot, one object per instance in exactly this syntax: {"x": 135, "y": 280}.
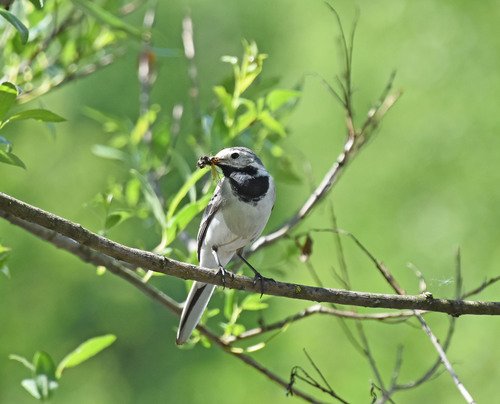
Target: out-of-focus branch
{"x": 190, "y": 53}
{"x": 12, "y": 207}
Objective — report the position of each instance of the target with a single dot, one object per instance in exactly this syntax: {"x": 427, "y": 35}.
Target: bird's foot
{"x": 261, "y": 279}
{"x": 222, "y": 273}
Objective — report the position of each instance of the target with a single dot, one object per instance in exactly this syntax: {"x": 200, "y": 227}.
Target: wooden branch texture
{"x": 11, "y": 207}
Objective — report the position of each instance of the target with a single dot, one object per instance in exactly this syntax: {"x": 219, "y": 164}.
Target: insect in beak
{"x": 208, "y": 161}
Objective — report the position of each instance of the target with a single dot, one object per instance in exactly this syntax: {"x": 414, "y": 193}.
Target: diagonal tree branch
{"x": 12, "y": 207}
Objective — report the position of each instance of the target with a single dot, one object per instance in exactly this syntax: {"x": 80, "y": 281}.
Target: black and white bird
{"x": 235, "y": 217}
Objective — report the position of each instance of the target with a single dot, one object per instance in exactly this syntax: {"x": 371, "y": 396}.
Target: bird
{"x": 235, "y": 217}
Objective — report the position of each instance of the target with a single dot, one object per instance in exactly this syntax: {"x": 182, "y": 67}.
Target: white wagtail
{"x": 236, "y": 215}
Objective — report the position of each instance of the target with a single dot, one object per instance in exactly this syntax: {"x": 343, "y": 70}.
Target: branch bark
{"x": 10, "y": 206}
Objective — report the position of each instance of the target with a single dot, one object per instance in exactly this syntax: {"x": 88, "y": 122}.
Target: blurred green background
{"x": 427, "y": 184}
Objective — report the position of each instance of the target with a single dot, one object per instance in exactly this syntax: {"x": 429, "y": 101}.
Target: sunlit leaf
{"x": 37, "y": 114}
{"x": 271, "y": 123}
{"x": 253, "y": 303}
{"x": 278, "y": 98}
{"x": 108, "y": 152}
{"x": 188, "y": 212}
{"x": 133, "y": 191}
{"x": 228, "y": 303}
{"x": 179, "y": 196}
{"x": 143, "y": 124}
{"x": 8, "y": 95}
{"x": 17, "y": 24}
{"x": 151, "y": 198}
{"x": 245, "y": 119}
{"x": 84, "y": 352}
{"x": 38, "y": 4}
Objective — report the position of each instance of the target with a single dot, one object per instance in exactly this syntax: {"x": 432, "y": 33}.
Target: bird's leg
{"x": 257, "y": 275}
{"x": 222, "y": 272}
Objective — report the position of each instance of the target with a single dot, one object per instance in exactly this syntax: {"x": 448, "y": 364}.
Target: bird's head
{"x": 233, "y": 159}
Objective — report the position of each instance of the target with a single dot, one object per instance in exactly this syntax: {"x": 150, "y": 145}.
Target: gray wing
{"x": 209, "y": 213}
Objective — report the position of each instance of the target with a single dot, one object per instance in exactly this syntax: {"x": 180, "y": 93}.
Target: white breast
{"x": 237, "y": 223}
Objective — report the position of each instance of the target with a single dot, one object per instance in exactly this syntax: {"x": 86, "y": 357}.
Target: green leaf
{"x": 8, "y": 95}
{"x": 227, "y": 102}
{"x": 11, "y": 158}
{"x": 22, "y": 360}
{"x": 271, "y": 123}
{"x": 229, "y": 303}
{"x": 37, "y": 3}
{"x": 107, "y": 18}
{"x": 143, "y": 124}
{"x": 277, "y": 98}
{"x": 44, "y": 374}
{"x": 246, "y": 118}
{"x": 38, "y": 114}
{"x": 84, "y": 352}
{"x": 133, "y": 191}
{"x": 188, "y": 212}
{"x": 107, "y": 152}
{"x": 44, "y": 365}
{"x": 151, "y": 198}
{"x": 17, "y": 24}
{"x": 179, "y": 196}
{"x": 116, "y": 217}
{"x": 253, "y": 303}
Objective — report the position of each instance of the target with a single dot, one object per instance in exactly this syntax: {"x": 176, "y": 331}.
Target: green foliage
{"x": 233, "y": 309}
{"x": 4, "y": 256}
{"x": 8, "y": 95}
{"x": 17, "y": 24}
{"x": 44, "y": 374}
{"x": 106, "y": 17}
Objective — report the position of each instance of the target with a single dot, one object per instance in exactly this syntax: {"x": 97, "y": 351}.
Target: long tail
{"x": 196, "y": 303}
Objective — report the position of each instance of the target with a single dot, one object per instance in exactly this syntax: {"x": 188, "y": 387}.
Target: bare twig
{"x": 300, "y": 373}
{"x": 437, "y": 346}
{"x": 480, "y": 288}
{"x": 319, "y": 309}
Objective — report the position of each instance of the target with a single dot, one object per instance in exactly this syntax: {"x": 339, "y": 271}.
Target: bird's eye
{"x": 235, "y": 155}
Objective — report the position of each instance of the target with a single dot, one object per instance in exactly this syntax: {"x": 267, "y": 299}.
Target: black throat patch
{"x": 245, "y": 185}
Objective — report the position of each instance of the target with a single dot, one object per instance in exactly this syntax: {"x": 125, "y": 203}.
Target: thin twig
{"x": 319, "y": 309}
{"x": 437, "y": 346}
